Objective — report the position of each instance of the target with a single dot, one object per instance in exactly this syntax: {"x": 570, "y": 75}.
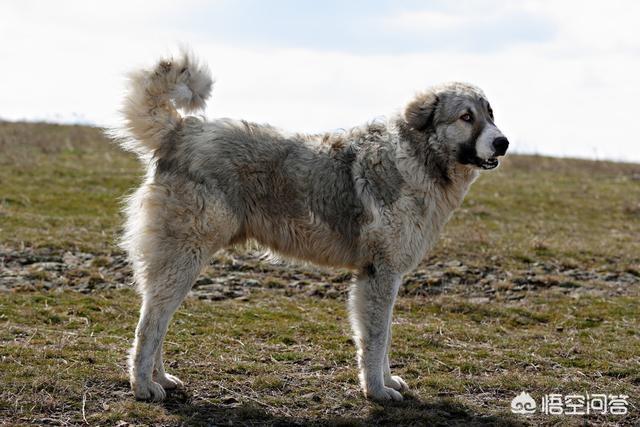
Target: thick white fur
{"x": 149, "y": 109}
{"x": 484, "y": 145}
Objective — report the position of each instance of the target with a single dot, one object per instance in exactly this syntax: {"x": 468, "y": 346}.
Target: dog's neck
{"x": 427, "y": 165}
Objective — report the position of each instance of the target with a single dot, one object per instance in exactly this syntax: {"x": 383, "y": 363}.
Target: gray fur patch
{"x": 279, "y": 180}
{"x": 429, "y": 152}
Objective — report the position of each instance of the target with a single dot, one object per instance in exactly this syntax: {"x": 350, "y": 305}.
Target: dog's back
{"x": 291, "y": 193}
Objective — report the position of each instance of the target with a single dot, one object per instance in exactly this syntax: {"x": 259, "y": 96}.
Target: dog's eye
{"x": 466, "y": 117}
{"x": 491, "y": 113}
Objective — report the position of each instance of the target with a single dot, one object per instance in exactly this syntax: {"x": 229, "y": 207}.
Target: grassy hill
{"x": 534, "y": 286}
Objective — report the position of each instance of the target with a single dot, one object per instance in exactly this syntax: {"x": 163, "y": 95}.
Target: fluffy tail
{"x": 153, "y": 96}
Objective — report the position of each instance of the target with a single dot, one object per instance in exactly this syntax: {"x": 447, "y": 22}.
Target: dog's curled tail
{"x": 153, "y": 97}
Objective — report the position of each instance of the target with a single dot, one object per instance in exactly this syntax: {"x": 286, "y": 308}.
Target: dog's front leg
{"x": 370, "y": 305}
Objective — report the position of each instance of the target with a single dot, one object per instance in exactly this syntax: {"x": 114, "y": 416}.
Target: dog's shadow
{"x": 410, "y": 412}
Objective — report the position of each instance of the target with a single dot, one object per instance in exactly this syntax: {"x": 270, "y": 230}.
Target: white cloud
{"x": 430, "y": 19}
{"x": 574, "y": 94}
{"x": 592, "y": 27}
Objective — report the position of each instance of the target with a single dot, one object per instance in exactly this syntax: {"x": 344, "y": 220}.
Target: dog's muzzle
{"x": 500, "y": 145}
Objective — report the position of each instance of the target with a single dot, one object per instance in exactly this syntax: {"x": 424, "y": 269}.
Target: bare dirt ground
{"x": 235, "y": 274}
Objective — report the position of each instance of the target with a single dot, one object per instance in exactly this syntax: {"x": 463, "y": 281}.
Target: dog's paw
{"x": 396, "y": 383}
{"x": 383, "y": 394}
{"x": 151, "y": 391}
{"x": 169, "y": 382}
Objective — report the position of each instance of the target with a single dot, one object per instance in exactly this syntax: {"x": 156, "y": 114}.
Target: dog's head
{"x": 462, "y": 119}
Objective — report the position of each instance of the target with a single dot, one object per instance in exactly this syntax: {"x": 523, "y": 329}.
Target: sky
{"x": 562, "y": 76}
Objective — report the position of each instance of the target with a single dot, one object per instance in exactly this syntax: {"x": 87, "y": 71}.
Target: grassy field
{"x": 535, "y": 286}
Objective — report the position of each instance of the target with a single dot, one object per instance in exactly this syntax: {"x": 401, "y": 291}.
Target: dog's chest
{"x": 414, "y": 225}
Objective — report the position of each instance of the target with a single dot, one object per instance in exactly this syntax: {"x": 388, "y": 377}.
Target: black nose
{"x": 500, "y": 145}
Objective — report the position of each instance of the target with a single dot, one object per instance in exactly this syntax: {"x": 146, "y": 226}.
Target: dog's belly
{"x": 305, "y": 239}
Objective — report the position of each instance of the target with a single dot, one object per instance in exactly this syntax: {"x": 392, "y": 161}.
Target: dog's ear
{"x": 419, "y": 112}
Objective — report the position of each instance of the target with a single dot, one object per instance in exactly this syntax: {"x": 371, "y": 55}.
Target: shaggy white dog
{"x": 373, "y": 199}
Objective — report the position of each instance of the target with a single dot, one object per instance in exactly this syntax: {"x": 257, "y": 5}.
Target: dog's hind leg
{"x": 167, "y": 286}
{"x": 370, "y": 305}
{"x": 170, "y": 235}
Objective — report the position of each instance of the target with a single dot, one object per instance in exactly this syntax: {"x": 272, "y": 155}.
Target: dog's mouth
{"x": 485, "y": 164}
{"x": 490, "y": 163}
{"x": 468, "y": 156}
